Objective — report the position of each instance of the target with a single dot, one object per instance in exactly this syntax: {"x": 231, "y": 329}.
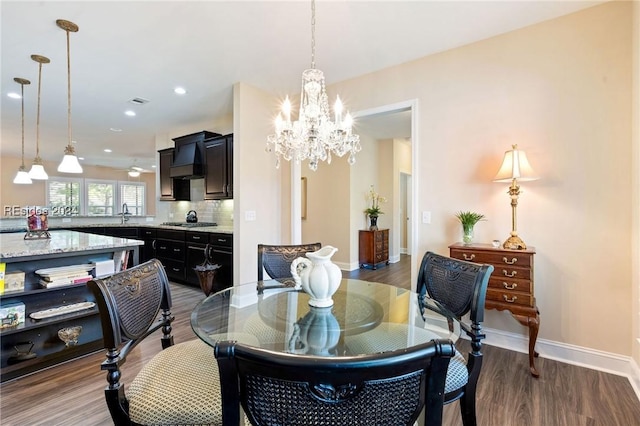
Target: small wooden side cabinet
{"x": 374, "y": 248}
{"x": 510, "y": 285}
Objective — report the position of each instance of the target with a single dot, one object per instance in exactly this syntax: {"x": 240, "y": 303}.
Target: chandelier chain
{"x": 313, "y": 34}
{"x": 22, "y": 94}
{"x": 69, "y": 88}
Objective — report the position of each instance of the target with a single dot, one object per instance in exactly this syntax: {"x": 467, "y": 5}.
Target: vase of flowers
{"x": 374, "y": 210}
{"x": 468, "y": 221}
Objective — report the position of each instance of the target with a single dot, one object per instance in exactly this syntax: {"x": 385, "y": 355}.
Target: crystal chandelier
{"x": 313, "y": 136}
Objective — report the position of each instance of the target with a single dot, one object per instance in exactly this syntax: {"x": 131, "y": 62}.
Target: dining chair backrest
{"x": 386, "y": 388}
{"x": 276, "y": 259}
{"x": 134, "y": 304}
{"x": 461, "y": 287}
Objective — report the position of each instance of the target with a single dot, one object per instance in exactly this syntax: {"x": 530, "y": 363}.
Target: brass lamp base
{"x": 514, "y": 243}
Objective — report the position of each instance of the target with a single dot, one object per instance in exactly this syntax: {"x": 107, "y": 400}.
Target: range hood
{"x": 188, "y": 161}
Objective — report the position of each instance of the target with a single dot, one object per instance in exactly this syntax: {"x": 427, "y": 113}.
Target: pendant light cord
{"x": 22, "y": 94}
{"x": 38, "y": 114}
{"x": 69, "y": 89}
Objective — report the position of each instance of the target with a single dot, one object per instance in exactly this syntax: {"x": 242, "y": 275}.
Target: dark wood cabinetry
{"x": 148, "y": 251}
{"x": 171, "y": 189}
{"x": 373, "y": 248}
{"x": 510, "y": 285}
{"x": 171, "y": 251}
{"x": 218, "y": 180}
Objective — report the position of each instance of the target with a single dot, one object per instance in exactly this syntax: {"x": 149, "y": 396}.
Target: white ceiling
{"x": 144, "y": 49}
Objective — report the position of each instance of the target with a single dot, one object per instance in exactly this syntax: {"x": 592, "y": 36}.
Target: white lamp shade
{"x": 515, "y": 166}
{"x": 22, "y": 178}
{"x": 70, "y": 164}
{"x": 37, "y": 172}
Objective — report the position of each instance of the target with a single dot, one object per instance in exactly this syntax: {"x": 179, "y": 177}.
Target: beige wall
{"x": 561, "y": 90}
{"x": 35, "y": 194}
{"x": 635, "y": 194}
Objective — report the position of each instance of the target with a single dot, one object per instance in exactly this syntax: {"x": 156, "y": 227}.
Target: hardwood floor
{"x": 72, "y": 394}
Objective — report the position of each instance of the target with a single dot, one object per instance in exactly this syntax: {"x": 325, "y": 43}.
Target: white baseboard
{"x": 571, "y": 354}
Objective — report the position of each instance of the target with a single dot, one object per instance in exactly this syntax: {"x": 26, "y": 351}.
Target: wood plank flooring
{"x": 72, "y": 394}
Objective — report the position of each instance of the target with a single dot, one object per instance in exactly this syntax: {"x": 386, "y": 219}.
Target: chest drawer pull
{"x": 509, "y": 300}
{"x": 510, "y": 275}
{"x": 509, "y": 286}
{"x": 514, "y": 260}
{"x": 473, "y": 256}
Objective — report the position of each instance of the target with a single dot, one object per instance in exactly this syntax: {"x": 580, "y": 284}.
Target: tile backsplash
{"x": 219, "y": 211}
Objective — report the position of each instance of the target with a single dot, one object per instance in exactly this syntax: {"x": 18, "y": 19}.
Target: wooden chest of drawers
{"x": 511, "y": 285}
{"x": 373, "y": 248}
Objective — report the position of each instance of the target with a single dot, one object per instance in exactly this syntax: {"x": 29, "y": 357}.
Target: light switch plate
{"x": 426, "y": 217}
{"x": 250, "y": 215}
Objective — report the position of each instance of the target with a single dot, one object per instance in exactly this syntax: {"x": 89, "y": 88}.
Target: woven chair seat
{"x": 169, "y": 392}
{"x": 396, "y": 336}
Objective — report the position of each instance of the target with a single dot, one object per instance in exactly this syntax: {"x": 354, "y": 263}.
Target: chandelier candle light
{"x": 22, "y": 177}
{"x": 69, "y": 162}
{"x": 313, "y": 136}
{"x": 515, "y": 166}
{"x": 37, "y": 169}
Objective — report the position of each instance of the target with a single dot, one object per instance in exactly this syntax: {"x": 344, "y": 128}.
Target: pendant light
{"x": 69, "y": 162}
{"x": 22, "y": 177}
{"x": 37, "y": 169}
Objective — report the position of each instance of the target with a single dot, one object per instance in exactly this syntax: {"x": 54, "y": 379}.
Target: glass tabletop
{"x": 365, "y": 318}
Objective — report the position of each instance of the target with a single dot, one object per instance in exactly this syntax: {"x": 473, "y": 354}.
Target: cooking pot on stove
{"x": 192, "y": 216}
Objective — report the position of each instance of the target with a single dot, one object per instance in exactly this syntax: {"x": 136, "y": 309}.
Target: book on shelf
{"x": 65, "y": 281}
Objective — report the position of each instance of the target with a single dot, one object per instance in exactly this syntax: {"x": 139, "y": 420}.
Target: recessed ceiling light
{"x": 180, "y": 90}
{"x": 14, "y": 95}
{"x": 115, "y": 129}
{"x": 107, "y": 150}
{"x": 80, "y": 158}
{"x": 130, "y": 113}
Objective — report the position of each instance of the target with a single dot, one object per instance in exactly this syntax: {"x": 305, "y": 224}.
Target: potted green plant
{"x": 468, "y": 221}
{"x": 374, "y": 210}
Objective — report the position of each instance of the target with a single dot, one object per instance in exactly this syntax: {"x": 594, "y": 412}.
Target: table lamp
{"x": 515, "y": 166}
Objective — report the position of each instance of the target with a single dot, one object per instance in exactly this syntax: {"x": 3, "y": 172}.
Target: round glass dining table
{"x": 366, "y": 318}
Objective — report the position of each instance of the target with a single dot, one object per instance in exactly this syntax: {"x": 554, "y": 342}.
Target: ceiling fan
{"x": 135, "y": 170}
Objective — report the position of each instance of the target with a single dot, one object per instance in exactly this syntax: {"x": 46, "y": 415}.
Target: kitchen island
{"x": 34, "y": 343}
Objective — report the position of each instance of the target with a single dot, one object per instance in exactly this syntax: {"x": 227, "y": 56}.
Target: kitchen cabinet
{"x": 218, "y": 180}
{"x": 171, "y": 251}
{"x": 148, "y": 250}
{"x": 171, "y": 189}
{"x": 34, "y": 344}
{"x": 222, "y": 254}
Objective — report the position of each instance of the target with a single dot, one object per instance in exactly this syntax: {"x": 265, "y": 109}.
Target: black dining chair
{"x": 276, "y": 259}
{"x": 180, "y": 384}
{"x": 390, "y": 388}
{"x": 461, "y": 287}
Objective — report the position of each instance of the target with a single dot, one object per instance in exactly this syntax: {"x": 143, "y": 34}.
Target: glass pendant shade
{"x": 70, "y": 163}
{"x": 37, "y": 171}
{"x": 22, "y": 177}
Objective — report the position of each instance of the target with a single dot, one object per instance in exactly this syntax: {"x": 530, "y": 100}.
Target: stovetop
{"x": 190, "y": 225}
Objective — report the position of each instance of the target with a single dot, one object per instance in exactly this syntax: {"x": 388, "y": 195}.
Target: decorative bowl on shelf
{"x": 69, "y": 335}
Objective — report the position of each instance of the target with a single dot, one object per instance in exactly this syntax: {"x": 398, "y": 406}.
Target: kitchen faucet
{"x": 125, "y": 213}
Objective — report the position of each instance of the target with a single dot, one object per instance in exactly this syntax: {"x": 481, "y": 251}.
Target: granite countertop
{"x": 218, "y": 229}
{"x": 13, "y": 245}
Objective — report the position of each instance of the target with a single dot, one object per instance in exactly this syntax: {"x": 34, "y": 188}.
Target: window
{"x": 64, "y": 196}
{"x": 100, "y": 198}
{"x": 92, "y": 197}
{"x": 133, "y": 195}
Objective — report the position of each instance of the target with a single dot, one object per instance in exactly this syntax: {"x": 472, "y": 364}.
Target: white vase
{"x": 317, "y": 276}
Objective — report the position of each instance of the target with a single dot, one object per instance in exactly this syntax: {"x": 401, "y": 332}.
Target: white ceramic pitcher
{"x": 317, "y": 276}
